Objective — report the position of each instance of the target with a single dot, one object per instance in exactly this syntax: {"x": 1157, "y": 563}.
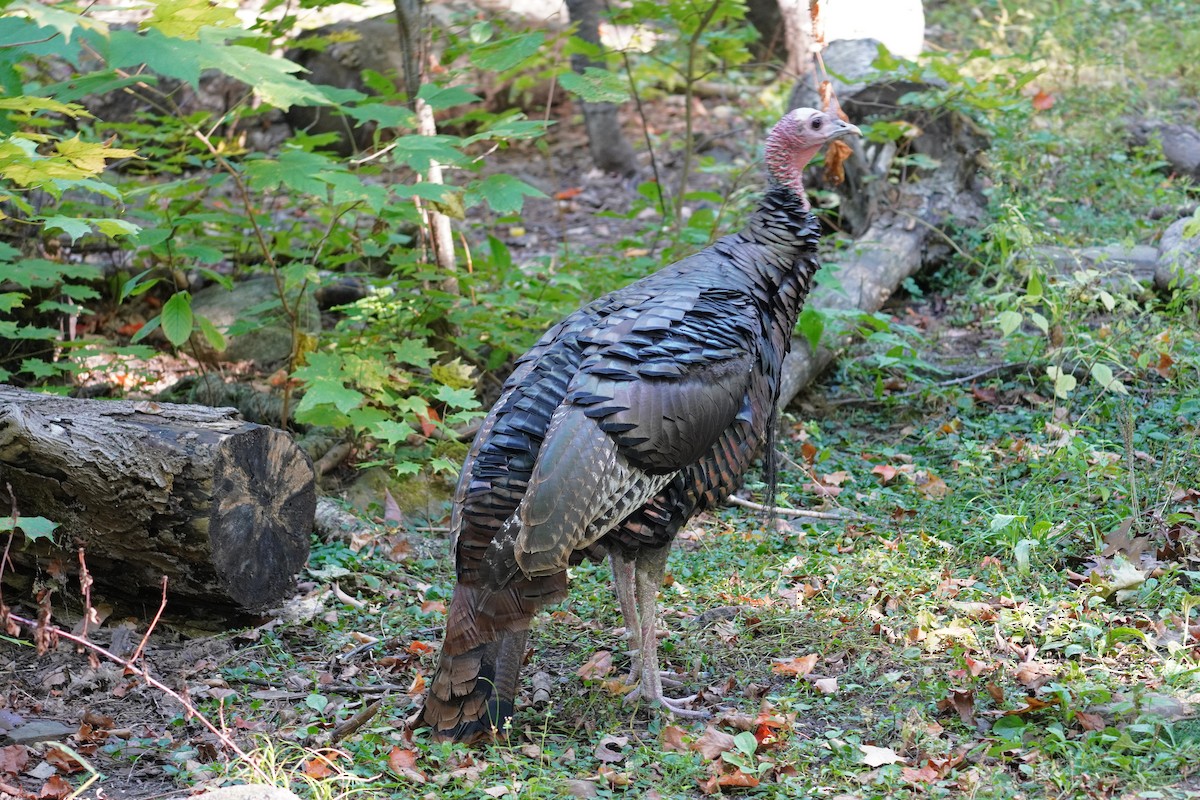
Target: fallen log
{"x": 222, "y": 507}
{"x": 896, "y": 213}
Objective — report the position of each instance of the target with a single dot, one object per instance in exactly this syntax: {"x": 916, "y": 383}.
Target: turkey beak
{"x": 843, "y": 129}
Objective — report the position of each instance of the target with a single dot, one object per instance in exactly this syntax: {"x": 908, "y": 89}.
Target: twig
{"x": 137, "y": 653}
{"x": 357, "y": 721}
{"x": 793, "y": 512}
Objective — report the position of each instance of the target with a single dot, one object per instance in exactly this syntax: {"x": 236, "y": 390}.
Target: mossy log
{"x": 222, "y": 507}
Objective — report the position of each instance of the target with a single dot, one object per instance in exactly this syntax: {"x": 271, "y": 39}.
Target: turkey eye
{"x": 816, "y": 123}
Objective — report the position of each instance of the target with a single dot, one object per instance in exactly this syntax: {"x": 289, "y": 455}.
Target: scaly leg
{"x": 624, "y": 580}
{"x": 648, "y": 574}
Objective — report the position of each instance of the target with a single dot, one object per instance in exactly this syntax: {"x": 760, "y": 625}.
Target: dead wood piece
{"x": 222, "y": 507}
{"x": 897, "y": 214}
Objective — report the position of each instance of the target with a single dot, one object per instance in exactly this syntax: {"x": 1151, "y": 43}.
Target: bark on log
{"x": 222, "y": 507}
{"x": 896, "y": 217}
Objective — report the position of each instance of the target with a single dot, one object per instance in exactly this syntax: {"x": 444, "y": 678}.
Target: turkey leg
{"x": 648, "y": 571}
{"x": 623, "y": 579}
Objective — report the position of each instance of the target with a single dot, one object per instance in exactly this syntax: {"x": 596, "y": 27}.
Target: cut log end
{"x": 265, "y": 491}
{"x": 222, "y": 508}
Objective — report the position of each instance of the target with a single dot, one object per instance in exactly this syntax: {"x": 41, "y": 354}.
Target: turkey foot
{"x": 639, "y": 607}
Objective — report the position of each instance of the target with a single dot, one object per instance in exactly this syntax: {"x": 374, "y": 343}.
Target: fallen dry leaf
{"x": 798, "y": 666}
{"x": 931, "y": 485}
{"x": 878, "y": 756}
{"x": 963, "y": 702}
{"x": 826, "y": 685}
{"x": 611, "y": 749}
{"x": 925, "y": 774}
{"x": 886, "y": 473}
{"x": 599, "y": 665}
{"x": 1090, "y": 722}
{"x": 671, "y": 739}
{"x": 13, "y": 759}
{"x": 580, "y": 788}
{"x": 403, "y": 762}
{"x": 55, "y": 788}
{"x": 1034, "y": 674}
{"x": 712, "y": 743}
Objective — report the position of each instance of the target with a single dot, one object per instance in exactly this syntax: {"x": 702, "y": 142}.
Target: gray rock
{"x": 269, "y": 342}
{"x": 1178, "y": 264}
{"x": 1180, "y": 143}
{"x": 39, "y": 730}
{"x": 1138, "y": 262}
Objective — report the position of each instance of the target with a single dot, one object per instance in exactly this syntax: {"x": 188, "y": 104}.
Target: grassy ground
{"x": 1008, "y": 608}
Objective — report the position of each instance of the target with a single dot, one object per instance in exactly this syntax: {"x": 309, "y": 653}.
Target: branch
{"x": 795, "y": 512}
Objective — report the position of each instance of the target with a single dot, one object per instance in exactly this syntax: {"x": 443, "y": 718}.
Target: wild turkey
{"x": 625, "y": 419}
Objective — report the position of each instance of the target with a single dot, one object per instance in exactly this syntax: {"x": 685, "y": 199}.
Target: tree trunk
{"x": 223, "y": 508}
{"x": 610, "y": 150}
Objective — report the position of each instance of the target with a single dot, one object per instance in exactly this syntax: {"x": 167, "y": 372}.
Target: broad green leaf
{"x": 1001, "y": 521}
{"x": 436, "y": 192}
{"x": 418, "y": 151}
{"x": 41, "y": 369}
{"x": 386, "y": 116}
{"x": 202, "y": 253}
{"x": 1021, "y": 554}
{"x": 11, "y": 300}
{"x": 1064, "y": 382}
{"x": 183, "y": 19}
{"x": 214, "y": 337}
{"x": 511, "y": 127}
{"x": 441, "y": 97}
{"x": 330, "y": 391}
{"x": 1034, "y": 289}
{"x": 34, "y": 528}
{"x": 271, "y": 76}
{"x": 455, "y": 374}
{"x": 1107, "y": 300}
{"x": 147, "y": 329}
{"x": 90, "y": 156}
{"x": 1103, "y": 375}
{"x": 73, "y": 228}
{"x": 457, "y": 398}
{"x": 177, "y": 318}
{"x": 67, "y": 23}
{"x": 1009, "y": 321}
{"x": 348, "y": 188}
{"x": 393, "y": 431}
{"x": 1039, "y": 321}
{"x": 596, "y": 85}
{"x": 296, "y": 169}
{"x": 135, "y": 286}
{"x": 811, "y": 325}
{"x": 507, "y": 53}
{"x": 504, "y": 193}
{"x": 29, "y": 105}
{"x": 414, "y": 352}
{"x": 116, "y": 227}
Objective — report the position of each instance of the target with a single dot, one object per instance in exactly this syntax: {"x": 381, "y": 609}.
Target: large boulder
{"x": 1179, "y": 257}
{"x": 252, "y": 321}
